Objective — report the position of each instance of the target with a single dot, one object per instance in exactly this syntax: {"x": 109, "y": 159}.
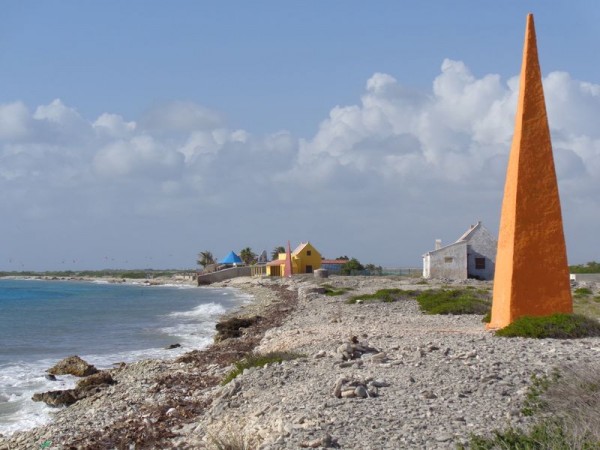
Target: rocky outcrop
{"x": 57, "y": 398}
{"x": 85, "y": 387}
{"x": 232, "y": 328}
{"x": 102, "y": 378}
{"x": 73, "y": 365}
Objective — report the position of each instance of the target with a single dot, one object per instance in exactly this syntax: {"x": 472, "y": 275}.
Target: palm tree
{"x": 248, "y": 256}
{"x": 205, "y": 258}
{"x": 276, "y": 251}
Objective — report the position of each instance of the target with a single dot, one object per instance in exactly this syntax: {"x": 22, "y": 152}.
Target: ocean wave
{"x": 18, "y": 383}
{"x": 202, "y": 311}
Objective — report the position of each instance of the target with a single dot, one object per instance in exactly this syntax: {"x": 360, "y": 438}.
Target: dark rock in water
{"x": 231, "y": 328}
{"x": 73, "y": 365}
{"x": 57, "y": 398}
{"x": 98, "y": 379}
{"x": 172, "y": 346}
{"x": 85, "y": 387}
{"x": 50, "y": 377}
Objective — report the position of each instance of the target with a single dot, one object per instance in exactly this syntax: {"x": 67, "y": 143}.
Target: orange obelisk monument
{"x": 287, "y": 271}
{"x": 532, "y": 276}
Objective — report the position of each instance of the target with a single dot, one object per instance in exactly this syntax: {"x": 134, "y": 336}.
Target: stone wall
{"x": 224, "y": 274}
{"x": 449, "y": 262}
{"x": 589, "y": 277}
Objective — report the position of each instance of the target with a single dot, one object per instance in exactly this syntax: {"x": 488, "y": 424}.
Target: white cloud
{"x": 14, "y": 121}
{"x": 180, "y": 116}
{"x": 114, "y": 126}
{"x": 142, "y": 155}
{"x": 379, "y": 179}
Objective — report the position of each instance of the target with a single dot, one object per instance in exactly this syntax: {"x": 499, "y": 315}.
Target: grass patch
{"x": 454, "y": 301}
{"x": 434, "y": 301}
{"x": 545, "y": 435}
{"x": 230, "y": 439}
{"x": 257, "y": 360}
{"x": 587, "y": 306}
{"x": 333, "y": 292}
{"x": 383, "y": 295}
{"x": 566, "y": 404}
{"x": 557, "y": 326}
{"x": 582, "y": 292}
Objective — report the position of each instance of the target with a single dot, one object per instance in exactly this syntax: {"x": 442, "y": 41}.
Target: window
{"x": 448, "y": 259}
{"x": 480, "y": 263}
{"x": 307, "y": 252}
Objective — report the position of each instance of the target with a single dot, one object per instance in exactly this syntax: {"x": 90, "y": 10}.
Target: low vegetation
{"x": 333, "y": 291}
{"x": 557, "y": 326}
{"x": 434, "y": 301}
{"x": 258, "y": 360}
{"x": 230, "y": 439}
{"x": 454, "y": 301}
{"x": 106, "y": 273}
{"x": 582, "y": 292}
{"x": 566, "y": 404}
{"x": 383, "y": 295}
{"x": 590, "y": 267}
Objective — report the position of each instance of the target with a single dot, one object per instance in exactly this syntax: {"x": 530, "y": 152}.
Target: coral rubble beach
{"x": 420, "y": 381}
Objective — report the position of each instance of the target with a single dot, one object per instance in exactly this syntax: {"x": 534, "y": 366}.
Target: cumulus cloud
{"x": 114, "y": 126}
{"x": 180, "y": 116}
{"x": 400, "y": 163}
{"x": 14, "y": 121}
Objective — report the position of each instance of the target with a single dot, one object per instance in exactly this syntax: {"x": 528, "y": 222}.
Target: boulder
{"x": 172, "y": 346}
{"x": 57, "y": 398}
{"x": 73, "y": 365}
{"x": 98, "y": 379}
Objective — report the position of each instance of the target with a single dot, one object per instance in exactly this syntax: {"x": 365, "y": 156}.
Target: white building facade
{"x": 473, "y": 255}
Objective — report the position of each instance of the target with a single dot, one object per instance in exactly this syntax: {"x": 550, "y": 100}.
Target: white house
{"x": 473, "y": 255}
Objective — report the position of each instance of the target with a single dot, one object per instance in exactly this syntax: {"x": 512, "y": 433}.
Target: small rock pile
{"x": 357, "y": 387}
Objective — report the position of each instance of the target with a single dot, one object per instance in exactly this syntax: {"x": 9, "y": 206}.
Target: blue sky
{"x": 137, "y": 133}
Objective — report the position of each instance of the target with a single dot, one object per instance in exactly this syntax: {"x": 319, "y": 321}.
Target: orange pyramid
{"x": 532, "y": 276}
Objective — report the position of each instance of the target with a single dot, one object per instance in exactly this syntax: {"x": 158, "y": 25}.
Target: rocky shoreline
{"x": 370, "y": 376}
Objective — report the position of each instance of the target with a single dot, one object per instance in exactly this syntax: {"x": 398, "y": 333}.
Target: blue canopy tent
{"x": 231, "y": 258}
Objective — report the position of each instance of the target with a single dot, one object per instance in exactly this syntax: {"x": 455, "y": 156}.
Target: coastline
{"x": 440, "y": 378}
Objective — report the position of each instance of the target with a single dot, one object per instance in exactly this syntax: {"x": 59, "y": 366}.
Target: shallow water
{"x": 42, "y": 322}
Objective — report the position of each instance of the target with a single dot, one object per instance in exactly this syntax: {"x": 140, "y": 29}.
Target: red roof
{"x": 276, "y": 262}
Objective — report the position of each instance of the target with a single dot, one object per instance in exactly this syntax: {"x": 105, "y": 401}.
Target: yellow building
{"x": 305, "y": 259}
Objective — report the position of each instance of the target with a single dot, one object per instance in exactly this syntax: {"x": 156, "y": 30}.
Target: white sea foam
{"x": 18, "y": 383}
{"x": 192, "y": 329}
{"x": 206, "y": 310}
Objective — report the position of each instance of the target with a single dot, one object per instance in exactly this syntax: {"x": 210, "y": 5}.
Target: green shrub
{"x": 533, "y": 401}
{"x": 590, "y": 267}
{"x": 557, "y": 326}
{"x": 543, "y": 436}
{"x": 566, "y": 404}
{"x": 454, "y": 301}
{"x": 333, "y": 292}
{"x": 257, "y": 360}
{"x": 582, "y": 292}
{"x": 383, "y": 295}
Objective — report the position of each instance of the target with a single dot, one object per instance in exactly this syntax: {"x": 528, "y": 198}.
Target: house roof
{"x": 467, "y": 234}
{"x": 299, "y": 248}
{"x": 461, "y": 240}
{"x": 334, "y": 261}
{"x": 231, "y": 258}
{"x": 276, "y": 262}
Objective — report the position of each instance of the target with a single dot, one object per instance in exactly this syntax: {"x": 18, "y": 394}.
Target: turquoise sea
{"x": 42, "y": 322}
